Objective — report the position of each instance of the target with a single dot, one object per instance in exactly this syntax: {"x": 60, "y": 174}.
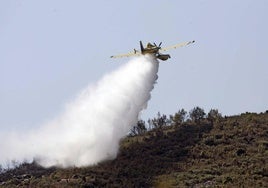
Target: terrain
{"x": 206, "y": 150}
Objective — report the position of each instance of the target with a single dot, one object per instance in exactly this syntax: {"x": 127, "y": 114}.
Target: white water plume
{"x": 91, "y": 126}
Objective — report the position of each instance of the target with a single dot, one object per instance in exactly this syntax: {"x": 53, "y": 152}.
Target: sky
{"x": 51, "y": 50}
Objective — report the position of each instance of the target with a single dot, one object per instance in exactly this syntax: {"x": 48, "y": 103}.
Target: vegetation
{"x": 205, "y": 150}
{"x": 178, "y": 117}
{"x": 197, "y": 114}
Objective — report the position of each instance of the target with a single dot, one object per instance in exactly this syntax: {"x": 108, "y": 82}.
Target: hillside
{"x": 220, "y": 152}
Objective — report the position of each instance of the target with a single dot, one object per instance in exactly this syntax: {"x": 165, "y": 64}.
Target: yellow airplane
{"x": 153, "y": 49}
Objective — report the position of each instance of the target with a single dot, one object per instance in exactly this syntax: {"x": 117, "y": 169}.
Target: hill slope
{"x": 229, "y": 152}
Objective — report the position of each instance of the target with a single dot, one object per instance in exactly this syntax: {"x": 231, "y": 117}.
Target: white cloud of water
{"x": 91, "y": 126}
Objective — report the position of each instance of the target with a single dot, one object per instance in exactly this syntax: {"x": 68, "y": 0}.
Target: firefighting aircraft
{"x": 153, "y": 49}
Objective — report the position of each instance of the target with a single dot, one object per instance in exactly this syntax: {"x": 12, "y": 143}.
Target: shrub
{"x": 197, "y": 114}
{"x": 138, "y": 129}
{"x": 179, "y": 117}
{"x": 214, "y": 115}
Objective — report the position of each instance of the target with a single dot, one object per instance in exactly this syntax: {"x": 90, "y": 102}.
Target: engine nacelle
{"x": 163, "y": 57}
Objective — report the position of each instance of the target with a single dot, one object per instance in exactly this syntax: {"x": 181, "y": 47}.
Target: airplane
{"x": 153, "y": 49}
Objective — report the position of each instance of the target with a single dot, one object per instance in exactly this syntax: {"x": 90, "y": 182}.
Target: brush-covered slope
{"x": 227, "y": 152}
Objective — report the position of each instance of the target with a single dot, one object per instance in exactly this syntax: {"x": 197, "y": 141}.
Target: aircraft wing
{"x": 135, "y": 53}
{"x": 176, "y": 46}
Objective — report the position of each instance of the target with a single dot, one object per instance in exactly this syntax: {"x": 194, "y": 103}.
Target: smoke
{"x": 91, "y": 126}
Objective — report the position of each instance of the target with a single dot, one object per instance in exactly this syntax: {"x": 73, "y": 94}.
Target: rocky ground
{"x": 229, "y": 152}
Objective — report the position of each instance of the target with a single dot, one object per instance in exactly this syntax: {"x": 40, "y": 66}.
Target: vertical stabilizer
{"x": 142, "y": 49}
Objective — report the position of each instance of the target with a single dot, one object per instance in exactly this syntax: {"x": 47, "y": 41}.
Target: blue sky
{"x": 50, "y": 50}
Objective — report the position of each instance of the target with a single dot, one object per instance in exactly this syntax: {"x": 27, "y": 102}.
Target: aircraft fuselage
{"x": 154, "y": 49}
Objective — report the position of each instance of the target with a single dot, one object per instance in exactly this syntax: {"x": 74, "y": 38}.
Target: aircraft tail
{"x": 142, "y": 48}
